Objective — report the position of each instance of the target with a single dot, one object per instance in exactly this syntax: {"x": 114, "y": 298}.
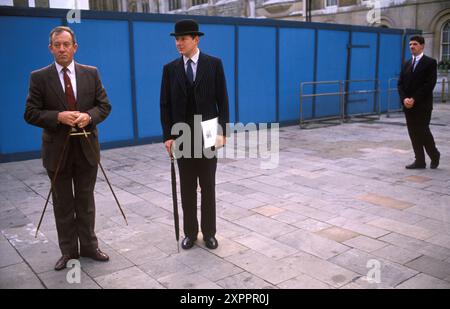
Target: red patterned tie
{"x": 70, "y": 97}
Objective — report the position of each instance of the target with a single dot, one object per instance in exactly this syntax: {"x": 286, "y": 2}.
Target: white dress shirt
{"x": 194, "y": 62}
{"x": 71, "y": 73}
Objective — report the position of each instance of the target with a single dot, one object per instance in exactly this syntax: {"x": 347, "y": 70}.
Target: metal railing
{"x": 344, "y": 98}
{"x": 441, "y": 92}
{"x": 339, "y": 117}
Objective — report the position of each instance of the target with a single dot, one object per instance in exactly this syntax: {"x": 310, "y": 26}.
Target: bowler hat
{"x": 186, "y": 27}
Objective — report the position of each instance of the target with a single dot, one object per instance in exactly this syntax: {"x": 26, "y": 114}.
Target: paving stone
{"x": 402, "y": 228}
{"x": 337, "y": 234}
{"x": 164, "y": 267}
{"x": 193, "y": 281}
{"x": 18, "y": 276}
{"x": 322, "y": 270}
{"x": 267, "y": 246}
{"x": 267, "y": 211}
{"x": 416, "y": 245}
{"x": 360, "y": 228}
{"x": 396, "y": 254}
{"x": 130, "y": 278}
{"x": 8, "y": 255}
{"x": 430, "y": 266}
{"x": 265, "y": 226}
{"x": 303, "y": 282}
{"x": 244, "y": 280}
{"x": 313, "y": 244}
{"x": 385, "y": 201}
{"x": 423, "y": 281}
{"x": 365, "y": 243}
{"x": 270, "y": 270}
{"x": 311, "y": 225}
{"x": 60, "y": 280}
{"x": 391, "y": 274}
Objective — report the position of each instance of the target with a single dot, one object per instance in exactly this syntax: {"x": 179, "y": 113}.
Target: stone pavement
{"x": 340, "y": 211}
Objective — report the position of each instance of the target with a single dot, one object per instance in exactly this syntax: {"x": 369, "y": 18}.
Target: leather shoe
{"x": 188, "y": 242}
{"x": 211, "y": 242}
{"x": 435, "y": 162}
{"x": 97, "y": 255}
{"x": 415, "y": 165}
{"x": 62, "y": 262}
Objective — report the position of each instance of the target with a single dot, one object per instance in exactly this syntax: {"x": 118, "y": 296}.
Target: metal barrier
{"x": 344, "y": 101}
{"x": 390, "y": 110}
{"x": 369, "y": 115}
{"x": 339, "y": 117}
{"x": 441, "y": 91}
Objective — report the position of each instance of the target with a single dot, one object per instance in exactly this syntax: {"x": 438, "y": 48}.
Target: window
{"x": 198, "y": 2}
{"x": 174, "y": 5}
{"x": 445, "y": 42}
{"x": 331, "y": 3}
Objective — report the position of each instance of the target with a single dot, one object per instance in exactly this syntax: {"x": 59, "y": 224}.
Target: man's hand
{"x": 83, "y": 120}
{"x": 68, "y": 117}
{"x": 221, "y": 141}
{"x": 168, "y": 145}
{"x": 408, "y": 102}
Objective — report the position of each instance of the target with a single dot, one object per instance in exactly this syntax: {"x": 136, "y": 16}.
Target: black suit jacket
{"x": 418, "y": 85}
{"x": 210, "y": 92}
{"x": 46, "y": 99}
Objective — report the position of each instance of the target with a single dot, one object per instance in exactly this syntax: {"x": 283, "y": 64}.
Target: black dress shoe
{"x": 415, "y": 165}
{"x": 96, "y": 255}
{"x": 435, "y": 162}
{"x": 62, "y": 262}
{"x": 211, "y": 242}
{"x": 188, "y": 242}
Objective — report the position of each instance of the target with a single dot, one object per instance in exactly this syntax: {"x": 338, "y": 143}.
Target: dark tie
{"x": 70, "y": 97}
{"x": 190, "y": 72}
{"x": 414, "y": 63}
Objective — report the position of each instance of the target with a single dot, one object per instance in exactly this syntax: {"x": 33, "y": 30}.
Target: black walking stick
{"x": 104, "y": 174}
{"x": 175, "y": 201}
{"x": 52, "y": 182}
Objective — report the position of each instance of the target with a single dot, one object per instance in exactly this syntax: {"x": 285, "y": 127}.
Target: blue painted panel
{"x": 257, "y": 74}
{"x": 24, "y": 48}
{"x": 296, "y": 66}
{"x": 363, "y": 67}
{"x": 153, "y": 47}
{"x": 389, "y": 67}
{"x": 219, "y": 41}
{"x": 105, "y": 44}
{"x": 331, "y": 66}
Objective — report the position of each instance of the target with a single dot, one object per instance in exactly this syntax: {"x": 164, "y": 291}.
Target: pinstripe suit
{"x": 179, "y": 101}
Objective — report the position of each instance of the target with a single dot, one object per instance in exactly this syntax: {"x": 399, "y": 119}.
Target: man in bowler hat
{"x": 193, "y": 86}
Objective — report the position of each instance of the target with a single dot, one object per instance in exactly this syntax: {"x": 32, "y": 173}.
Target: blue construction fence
{"x": 265, "y": 61}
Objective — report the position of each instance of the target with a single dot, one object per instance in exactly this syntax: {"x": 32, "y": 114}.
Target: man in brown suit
{"x": 63, "y": 97}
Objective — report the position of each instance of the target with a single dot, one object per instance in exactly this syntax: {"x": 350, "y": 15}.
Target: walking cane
{"x": 104, "y": 174}
{"x": 52, "y": 182}
{"x": 175, "y": 201}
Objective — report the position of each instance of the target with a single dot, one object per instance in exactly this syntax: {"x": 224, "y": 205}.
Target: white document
{"x": 209, "y": 129}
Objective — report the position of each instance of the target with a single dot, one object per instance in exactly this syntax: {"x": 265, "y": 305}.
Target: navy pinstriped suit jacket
{"x": 210, "y": 92}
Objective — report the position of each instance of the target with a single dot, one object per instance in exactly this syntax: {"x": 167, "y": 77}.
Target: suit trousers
{"x": 194, "y": 171}
{"x": 74, "y": 204}
{"x": 419, "y": 132}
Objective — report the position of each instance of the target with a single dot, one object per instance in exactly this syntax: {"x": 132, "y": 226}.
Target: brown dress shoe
{"x": 62, "y": 262}
{"x": 97, "y": 255}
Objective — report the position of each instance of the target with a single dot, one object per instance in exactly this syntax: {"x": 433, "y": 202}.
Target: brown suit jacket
{"x": 46, "y": 99}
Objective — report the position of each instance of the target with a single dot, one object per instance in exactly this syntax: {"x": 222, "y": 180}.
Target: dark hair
{"x": 418, "y": 38}
{"x": 58, "y": 30}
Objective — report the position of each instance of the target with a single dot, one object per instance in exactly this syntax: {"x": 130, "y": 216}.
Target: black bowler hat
{"x": 186, "y": 27}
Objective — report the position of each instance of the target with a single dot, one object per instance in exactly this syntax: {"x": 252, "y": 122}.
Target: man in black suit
{"x": 62, "y": 97}
{"x": 192, "y": 86}
{"x": 415, "y": 86}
